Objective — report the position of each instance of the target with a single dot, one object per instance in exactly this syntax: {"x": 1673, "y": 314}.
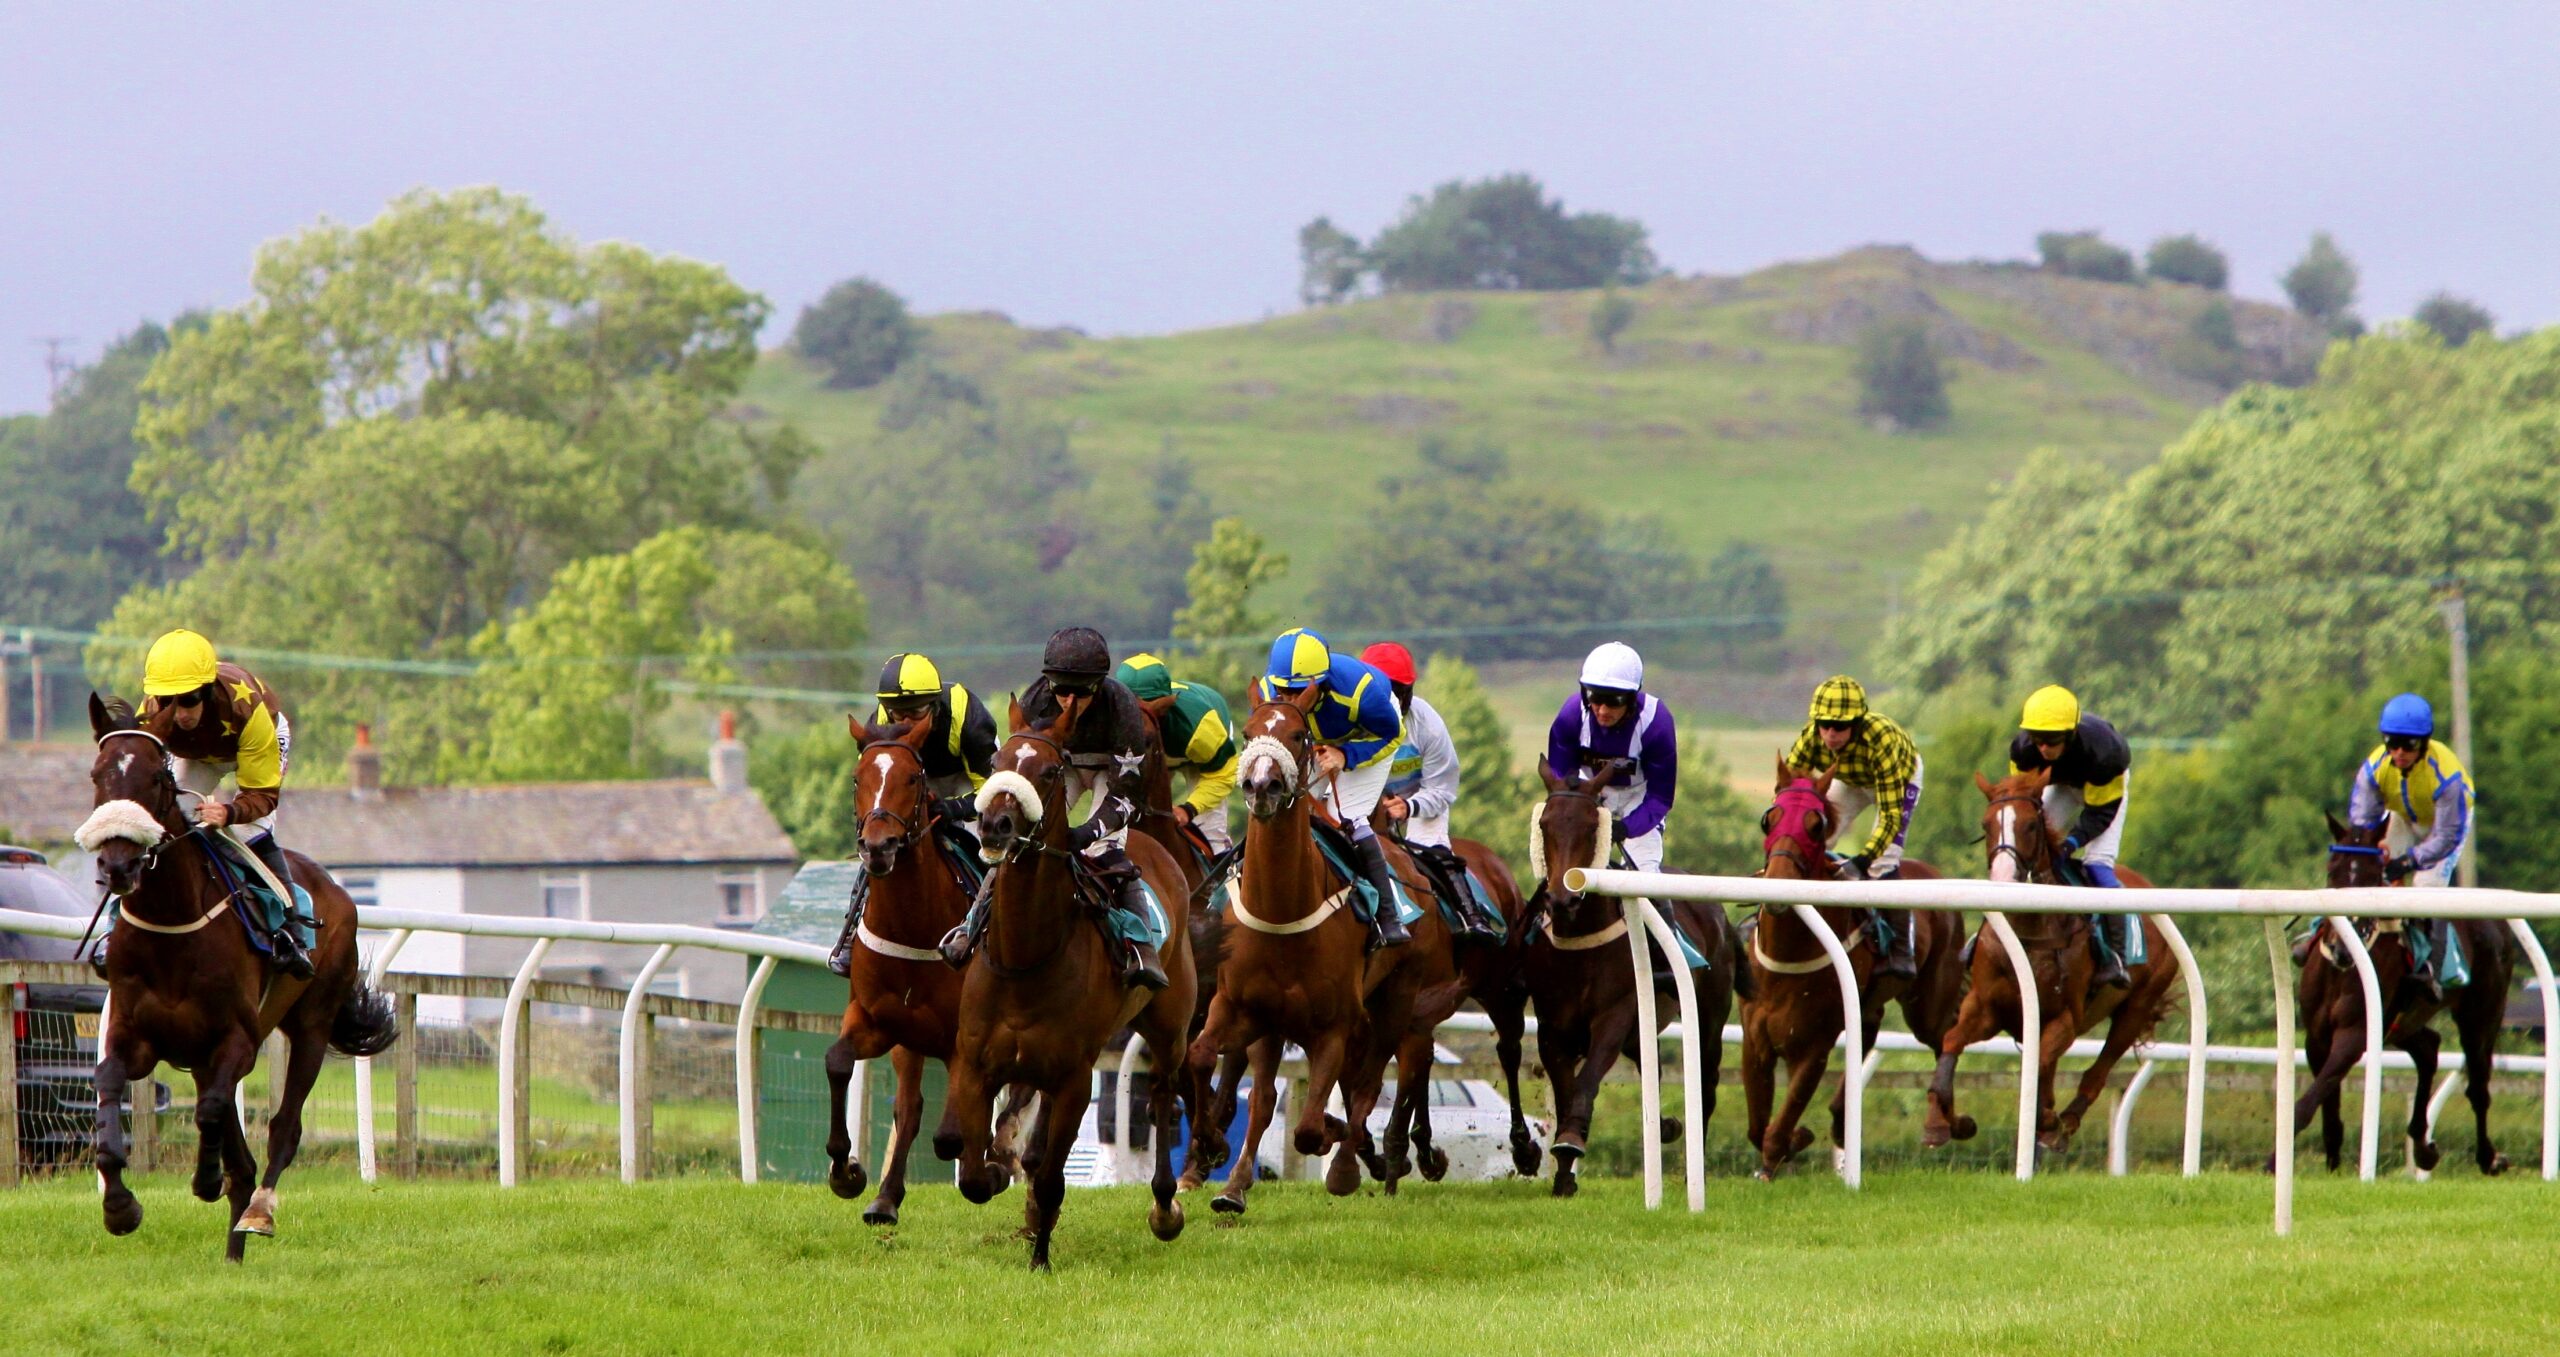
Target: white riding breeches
{"x": 2062, "y": 807}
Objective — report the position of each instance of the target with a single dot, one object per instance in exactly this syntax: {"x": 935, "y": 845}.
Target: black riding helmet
{"x": 1076, "y": 660}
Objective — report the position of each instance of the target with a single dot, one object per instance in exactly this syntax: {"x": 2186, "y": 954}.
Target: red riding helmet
{"x": 1392, "y": 660}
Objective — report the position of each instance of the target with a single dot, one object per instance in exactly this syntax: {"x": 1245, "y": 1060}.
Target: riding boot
{"x": 98, "y": 952}
{"x": 1385, "y": 929}
{"x": 291, "y": 957}
{"x": 1139, "y": 963}
{"x": 2423, "y": 970}
{"x": 962, "y": 941}
{"x": 840, "y": 960}
{"x": 1898, "y": 961}
{"x": 1476, "y": 920}
{"x": 2106, "y": 943}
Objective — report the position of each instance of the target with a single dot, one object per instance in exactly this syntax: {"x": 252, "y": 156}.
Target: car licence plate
{"x": 85, "y": 1026}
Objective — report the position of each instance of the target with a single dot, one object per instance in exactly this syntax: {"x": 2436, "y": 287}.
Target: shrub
{"x": 2454, "y": 320}
{"x": 2082, "y": 254}
{"x": 2322, "y": 283}
{"x": 2188, "y": 259}
{"x": 1899, "y": 377}
{"x": 860, "y": 331}
{"x": 1610, "y": 317}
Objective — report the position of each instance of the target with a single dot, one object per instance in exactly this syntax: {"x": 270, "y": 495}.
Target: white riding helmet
{"x": 1614, "y": 665}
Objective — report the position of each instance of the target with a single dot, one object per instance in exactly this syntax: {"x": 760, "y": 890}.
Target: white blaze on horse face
{"x": 2004, "y": 865}
{"x": 124, "y": 765}
{"x": 880, "y": 793}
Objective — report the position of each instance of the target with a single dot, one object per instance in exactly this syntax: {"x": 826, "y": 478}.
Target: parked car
{"x": 54, "y": 1027}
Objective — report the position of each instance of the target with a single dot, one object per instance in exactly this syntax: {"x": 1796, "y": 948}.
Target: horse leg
{"x": 2346, "y": 1047}
{"x": 239, "y": 1181}
{"x": 845, "y": 1177}
{"x": 967, "y": 1116}
{"x": 116, "y": 1070}
{"x": 1214, "y": 1050}
{"x": 2479, "y": 1034}
{"x": 1786, "y": 1137}
{"x": 2056, "y": 1038}
{"x": 1324, "y": 1070}
{"x": 1840, "y": 1097}
{"x": 1360, "y": 1089}
{"x": 1002, "y": 1148}
{"x": 1759, "y": 1081}
{"x": 909, "y": 1116}
{"x": 304, "y": 1055}
{"x": 2093, "y": 1081}
{"x": 1413, "y": 1098}
{"x": 217, "y": 1086}
{"x": 1559, "y": 1052}
{"x": 1973, "y": 1023}
{"x": 1609, "y": 1034}
{"x": 2423, "y": 1045}
{"x": 1509, "y": 1022}
{"x": 1164, "y": 1216}
{"x": 1258, "y": 1108}
{"x": 1061, "y": 1110}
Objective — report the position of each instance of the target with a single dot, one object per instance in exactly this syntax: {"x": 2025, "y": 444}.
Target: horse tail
{"x": 365, "y": 1024}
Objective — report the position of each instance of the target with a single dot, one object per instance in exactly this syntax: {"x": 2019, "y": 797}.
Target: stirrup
{"x": 98, "y": 956}
{"x": 957, "y": 946}
{"x": 290, "y": 955}
{"x": 840, "y": 960}
{"x": 1141, "y": 967}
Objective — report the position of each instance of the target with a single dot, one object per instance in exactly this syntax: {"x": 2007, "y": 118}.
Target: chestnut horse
{"x": 1296, "y": 969}
{"x": 1043, "y": 994}
{"x": 187, "y": 989}
{"x": 2020, "y": 846}
{"x": 1581, "y": 980}
{"x": 1795, "y": 1014}
{"x": 2331, "y": 999}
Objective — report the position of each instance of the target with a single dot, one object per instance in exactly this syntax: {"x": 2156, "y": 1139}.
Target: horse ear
{"x": 1014, "y": 720}
{"x": 913, "y": 734}
{"x": 1157, "y": 706}
{"x": 853, "y": 726}
{"x": 1988, "y": 791}
{"x": 1548, "y": 776}
{"x": 2337, "y": 828}
{"x": 1062, "y": 727}
{"x": 99, "y": 722}
{"x": 1822, "y": 785}
{"x": 1305, "y": 699}
{"x": 1785, "y": 773}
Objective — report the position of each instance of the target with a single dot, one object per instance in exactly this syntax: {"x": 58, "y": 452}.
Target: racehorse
{"x": 1795, "y": 1013}
{"x": 1043, "y": 993}
{"x": 1495, "y": 976}
{"x": 1580, "y": 979}
{"x": 187, "y": 988}
{"x": 2331, "y": 999}
{"x": 2020, "y": 846}
{"x": 1295, "y": 970}
{"x": 902, "y": 1001}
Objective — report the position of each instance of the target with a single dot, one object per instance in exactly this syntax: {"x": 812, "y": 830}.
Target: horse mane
{"x": 887, "y": 732}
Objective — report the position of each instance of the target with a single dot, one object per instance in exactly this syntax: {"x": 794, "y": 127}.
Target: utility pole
{"x": 2457, "y": 628}
{"x": 35, "y": 687}
{"x": 7, "y": 649}
{"x": 58, "y": 362}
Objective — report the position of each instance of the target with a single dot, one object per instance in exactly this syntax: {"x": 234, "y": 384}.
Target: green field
{"x": 1964, "y": 1262}
{"x": 1729, "y": 407}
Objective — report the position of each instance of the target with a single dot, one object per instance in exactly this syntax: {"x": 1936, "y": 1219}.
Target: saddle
{"x": 1452, "y": 881}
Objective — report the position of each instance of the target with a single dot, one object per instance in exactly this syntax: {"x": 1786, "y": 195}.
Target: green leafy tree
{"x": 1330, "y": 263}
{"x": 1506, "y": 233}
{"x": 2210, "y": 349}
{"x": 1713, "y": 828}
{"x": 1220, "y": 629}
{"x": 807, "y": 779}
{"x": 72, "y": 535}
{"x": 2084, "y": 254}
{"x": 2188, "y": 259}
{"x": 2322, "y": 283}
{"x": 1899, "y": 377}
{"x": 1495, "y": 791}
{"x": 1610, "y": 317}
{"x": 2455, "y": 320}
{"x": 859, "y": 331}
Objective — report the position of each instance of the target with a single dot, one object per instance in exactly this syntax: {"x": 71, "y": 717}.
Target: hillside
{"x": 1729, "y": 406}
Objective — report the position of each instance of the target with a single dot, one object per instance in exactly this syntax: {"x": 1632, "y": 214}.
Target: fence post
{"x": 2030, "y": 1038}
{"x": 515, "y": 1080}
{"x": 9, "y": 1078}
{"x": 1853, "y": 1088}
{"x": 1693, "y": 1126}
{"x": 2371, "y": 1124}
{"x": 748, "y": 1007}
{"x": 635, "y": 1066}
{"x": 2550, "y": 1024}
{"x": 2192, "y": 1155}
{"x": 146, "y": 1125}
{"x": 274, "y": 1058}
{"x": 366, "y": 1161}
{"x": 2280, "y": 966}
{"x": 404, "y": 1089}
{"x": 1648, "y": 1052}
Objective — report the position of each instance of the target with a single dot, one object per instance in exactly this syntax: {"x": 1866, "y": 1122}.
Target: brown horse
{"x": 1795, "y": 1014}
{"x": 187, "y": 989}
{"x": 1296, "y": 969}
{"x": 2331, "y": 999}
{"x": 1494, "y": 975}
{"x": 2020, "y": 846}
{"x": 1580, "y": 978}
{"x": 902, "y": 1001}
{"x": 1043, "y": 994}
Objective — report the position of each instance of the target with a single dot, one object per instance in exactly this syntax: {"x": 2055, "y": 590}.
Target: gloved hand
{"x": 1617, "y": 831}
{"x": 2400, "y": 868}
{"x": 957, "y": 809}
{"x": 2070, "y": 844}
{"x": 1859, "y": 865}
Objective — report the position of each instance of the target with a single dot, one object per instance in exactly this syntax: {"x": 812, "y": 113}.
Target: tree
{"x": 1330, "y": 263}
{"x": 2083, "y": 254}
{"x": 1748, "y": 598}
{"x": 1506, "y": 233}
{"x": 1610, "y": 317}
{"x": 2322, "y": 283}
{"x": 1898, "y": 376}
{"x": 1219, "y": 627}
{"x": 859, "y": 331}
{"x": 2455, "y": 320}
{"x": 1494, "y": 791}
{"x": 72, "y": 534}
{"x": 2210, "y": 349}
{"x": 2188, "y": 259}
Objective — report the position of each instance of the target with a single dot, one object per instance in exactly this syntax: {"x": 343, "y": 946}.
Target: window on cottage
{"x": 564, "y": 897}
{"x": 364, "y": 891}
{"x": 741, "y": 898}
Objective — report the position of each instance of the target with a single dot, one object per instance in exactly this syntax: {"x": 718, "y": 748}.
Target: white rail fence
{"x": 1995, "y": 901}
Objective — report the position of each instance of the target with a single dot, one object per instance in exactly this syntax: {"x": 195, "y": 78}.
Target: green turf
{"x": 1708, "y": 414}
{"x": 1918, "y": 1261}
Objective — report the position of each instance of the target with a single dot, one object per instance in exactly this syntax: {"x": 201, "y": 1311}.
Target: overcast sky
{"x": 1137, "y": 169}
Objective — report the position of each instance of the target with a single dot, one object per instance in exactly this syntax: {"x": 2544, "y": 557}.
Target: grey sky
{"x": 1145, "y": 168}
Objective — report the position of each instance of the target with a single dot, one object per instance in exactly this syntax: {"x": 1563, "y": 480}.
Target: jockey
{"x": 1357, "y": 727}
{"x": 1612, "y": 717}
{"x": 2090, "y": 764}
{"x": 1199, "y": 736}
{"x": 1107, "y": 755}
{"x": 1872, "y": 763}
{"x": 1422, "y": 786}
{"x": 2414, "y": 781}
{"x": 221, "y": 723}
{"x": 957, "y": 755}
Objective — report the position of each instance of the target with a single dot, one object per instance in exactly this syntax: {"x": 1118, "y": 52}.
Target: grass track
{"x": 2152, "y": 1264}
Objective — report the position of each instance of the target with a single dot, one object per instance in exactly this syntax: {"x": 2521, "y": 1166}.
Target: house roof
{"x": 812, "y": 906}
{"x": 44, "y": 795}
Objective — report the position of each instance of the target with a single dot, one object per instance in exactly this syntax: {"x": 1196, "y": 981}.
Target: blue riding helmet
{"x": 1298, "y": 657}
{"x": 2408, "y": 714}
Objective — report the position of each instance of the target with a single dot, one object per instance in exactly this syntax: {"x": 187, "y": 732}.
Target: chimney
{"x": 728, "y": 757}
{"x": 364, "y": 766}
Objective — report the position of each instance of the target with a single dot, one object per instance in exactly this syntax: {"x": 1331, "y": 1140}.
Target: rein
{"x": 1029, "y": 843}
{"x": 2042, "y": 868}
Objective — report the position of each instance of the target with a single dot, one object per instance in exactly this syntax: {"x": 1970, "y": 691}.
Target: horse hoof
{"x": 1166, "y": 1221}
{"x": 1671, "y": 1129}
{"x": 260, "y": 1218}
{"x": 847, "y": 1181}
{"x": 124, "y": 1213}
{"x": 1435, "y": 1164}
{"x": 1524, "y": 1156}
{"x": 879, "y": 1213}
{"x": 1964, "y": 1128}
{"x": 1190, "y": 1182}
{"x": 2423, "y": 1158}
{"x": 1226, "y": 1205}
{"x": 2269, "y": 1167}
{"x": 1567, "y": 1183}
{"x": 1342, "y": 1176}
{"x": 2497, "y": 1164}
{"x": 1765, "y": 1174}
{"x": 1840, "y": 1160}
{"x": 208, "y": 1187}
{"x": 1308, "y": 1142}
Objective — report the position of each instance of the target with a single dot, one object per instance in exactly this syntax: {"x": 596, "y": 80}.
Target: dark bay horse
{"x": 1794, "y": 1015}
{"x": 2331, "y": 999}
{"x": 1580, "y": 977}
{"x": 1043, "y": 993}
{"x": 187, "y": 989}
{"x": 2020, "y": 846}
{"x": 1494, "y": 975}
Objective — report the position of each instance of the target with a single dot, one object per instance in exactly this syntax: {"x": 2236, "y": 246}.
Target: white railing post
{"x": 2120, "y": 1130}
{"x": 749, "y": 1005}
{"x": 2550, "y": 1068}
{"x": 365, "y": 1159}
{"x": 510, "y": 1023}
{"x": 1853, "y": 1085}
{"x": 2191, "y": 1154}
{"x": 2369, "y": 1126}
{"x": 1648, "y": 1052}
{"x": 2030, "y": 1037}
{"x": 1120, "y": 1094}
{"x": 635, "y": 1017}
{"x": 1693, "y": 1144}
{"x": 2280, "y": 968}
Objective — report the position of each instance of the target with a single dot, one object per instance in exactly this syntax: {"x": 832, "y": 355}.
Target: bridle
{"x": 1029, "y": 842}
{"x": 1793, "y": 842}
{"x": 166, "y": 779}
{"x": 1297, "y": 752}
{"x": 2040, "y": 866}
{"x": 908, "y": 830}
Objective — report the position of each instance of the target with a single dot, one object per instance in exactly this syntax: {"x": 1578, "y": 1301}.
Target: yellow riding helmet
{"x": 180, "y": 662}
{"x": 2051, "y": 709}
{"x": 1840, "y": 698}
{"x": 909, "y": 676}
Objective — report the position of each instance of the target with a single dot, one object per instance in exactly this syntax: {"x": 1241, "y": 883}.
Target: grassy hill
{"x": 1728, "y": 408}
